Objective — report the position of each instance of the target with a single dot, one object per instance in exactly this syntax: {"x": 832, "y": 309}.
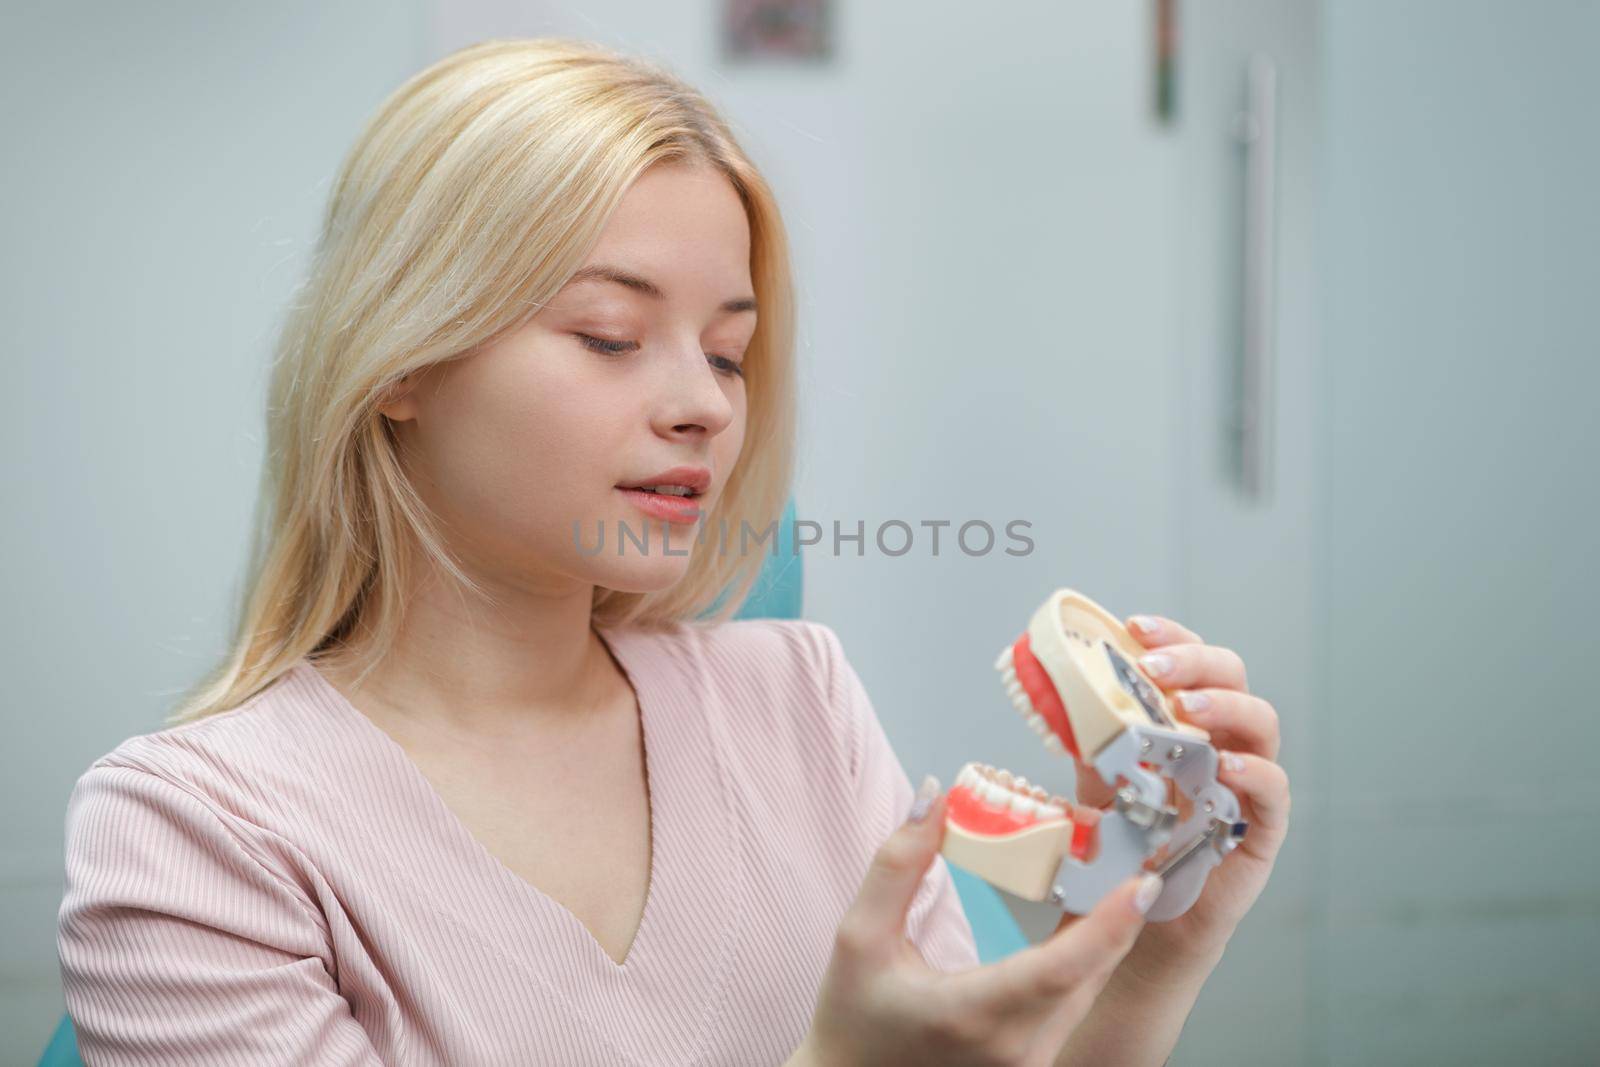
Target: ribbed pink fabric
{"x": 281, "y": 884}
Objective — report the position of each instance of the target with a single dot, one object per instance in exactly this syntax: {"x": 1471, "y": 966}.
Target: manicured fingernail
{"x": 927, "y": 793}
{"x": 1149, "y": 889}
{"x": 1193, "y": 700}
{"x": 1145, "y": 624}
{"x": 1156, "y": 664}
{"x": 1232, "y": 761}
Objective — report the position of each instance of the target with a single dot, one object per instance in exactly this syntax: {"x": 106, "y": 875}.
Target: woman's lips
{"x": 680, "y": 509}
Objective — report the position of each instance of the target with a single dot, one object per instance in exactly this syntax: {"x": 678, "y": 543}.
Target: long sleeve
{"x": 178, "y": 945}
{"x": 935, "y": 922}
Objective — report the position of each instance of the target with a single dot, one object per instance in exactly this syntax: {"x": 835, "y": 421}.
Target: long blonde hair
{"x": 470, "y": 198}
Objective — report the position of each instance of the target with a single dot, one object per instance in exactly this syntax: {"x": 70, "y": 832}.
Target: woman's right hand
{"x": 881, "y": 1003}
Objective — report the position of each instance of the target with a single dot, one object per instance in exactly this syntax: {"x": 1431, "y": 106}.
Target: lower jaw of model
{"x": 1012, "y": 834}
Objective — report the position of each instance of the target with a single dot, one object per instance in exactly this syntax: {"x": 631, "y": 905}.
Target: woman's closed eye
{"x": 723, "y": 364}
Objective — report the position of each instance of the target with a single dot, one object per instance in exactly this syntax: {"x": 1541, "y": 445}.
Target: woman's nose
{"x": 692, "y": 399}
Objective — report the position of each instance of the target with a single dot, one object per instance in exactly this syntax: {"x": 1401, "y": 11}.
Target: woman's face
{"x": 630, "y": 371}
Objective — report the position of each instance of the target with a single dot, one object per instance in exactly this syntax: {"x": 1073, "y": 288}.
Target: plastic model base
{"x": 1074, "y": 674}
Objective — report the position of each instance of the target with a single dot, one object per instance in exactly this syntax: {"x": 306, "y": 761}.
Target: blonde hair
{"x": 470, "y": 198}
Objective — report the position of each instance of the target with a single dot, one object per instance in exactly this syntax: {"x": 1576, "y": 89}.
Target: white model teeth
{"x": 1023, "y": 804}
{"x": 668, "y": 490}
{"x": 1000, "y": 790}
{"x": 1019, "y": 700}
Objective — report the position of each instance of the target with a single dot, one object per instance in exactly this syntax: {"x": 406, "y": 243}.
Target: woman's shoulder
{"x": 220, "y": 756}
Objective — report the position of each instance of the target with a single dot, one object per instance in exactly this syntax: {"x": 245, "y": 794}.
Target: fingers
{"x": 1239, "y": 721}
{"x": 1155, "y": 631}
{"x": 1193, "y": 666}
{"x": 1081, "y": 954}
{"x": 876, "y": 920}
{"x": 1096, "y": 943}
{"x": 1263, "y": 789}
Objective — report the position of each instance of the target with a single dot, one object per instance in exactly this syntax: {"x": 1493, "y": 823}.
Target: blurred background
{"x": 1272, "y": 316}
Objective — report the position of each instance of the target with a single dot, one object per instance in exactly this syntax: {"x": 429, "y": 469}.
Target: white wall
{"x": 165, "y": 169}
{"x": 1456, "y": 564}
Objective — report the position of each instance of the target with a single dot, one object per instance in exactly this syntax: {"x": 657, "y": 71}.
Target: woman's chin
{"x": 640, "y": 574}
{"x": 636, "y": 553}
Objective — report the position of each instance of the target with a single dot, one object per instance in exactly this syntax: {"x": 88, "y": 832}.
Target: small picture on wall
{"x": 782, "y": 30}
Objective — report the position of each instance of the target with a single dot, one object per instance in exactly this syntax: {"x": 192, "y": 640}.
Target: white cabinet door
{"x": 1246, "y": 552}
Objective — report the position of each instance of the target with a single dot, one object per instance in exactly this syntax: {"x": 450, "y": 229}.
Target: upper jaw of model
{"x": 1073, "y": 674}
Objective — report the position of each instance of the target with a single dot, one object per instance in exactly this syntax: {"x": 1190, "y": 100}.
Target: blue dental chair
{"x": 776, "y": 595}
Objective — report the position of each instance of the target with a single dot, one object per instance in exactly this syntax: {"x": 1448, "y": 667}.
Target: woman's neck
{"x": 488, "y": 671}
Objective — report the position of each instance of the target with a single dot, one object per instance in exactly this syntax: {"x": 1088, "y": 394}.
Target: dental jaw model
{"x": 1074, "y": 675}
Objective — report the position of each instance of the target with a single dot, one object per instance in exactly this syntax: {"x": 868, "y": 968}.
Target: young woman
{"x": 468, "y": 791}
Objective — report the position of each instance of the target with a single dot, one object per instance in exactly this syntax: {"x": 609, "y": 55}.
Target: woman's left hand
{"x": 1244, "y": 730}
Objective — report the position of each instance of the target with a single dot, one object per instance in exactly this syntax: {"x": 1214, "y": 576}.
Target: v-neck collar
{"x": 695, "y": 855}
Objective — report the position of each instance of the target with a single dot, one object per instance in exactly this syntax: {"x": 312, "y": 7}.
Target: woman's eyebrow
{"x": 602, "y": 273}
